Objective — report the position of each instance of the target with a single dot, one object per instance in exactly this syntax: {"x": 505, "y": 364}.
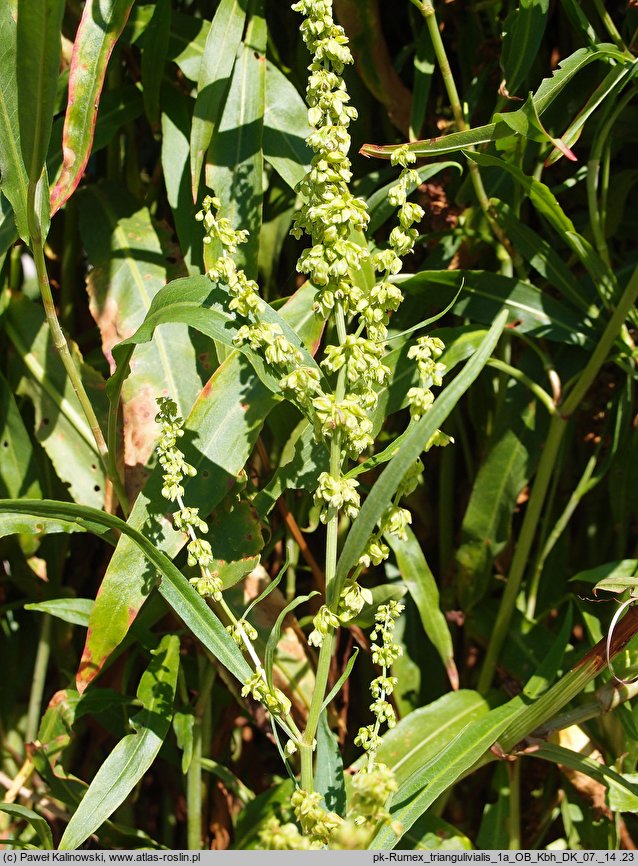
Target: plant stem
{"x": 61, "y": 345}
{"x": 332, "y": 536}
{"x": 427, "y": 10}
{"x": 194, "y": 775}
{"x": 39, "y": 677}
{"x": 610, "y": 27}
{"x": 544, "y": 475}
{"x": 194, "y": 793}
{"x": 514, "y": 773}
{"x": 540, "y": 393}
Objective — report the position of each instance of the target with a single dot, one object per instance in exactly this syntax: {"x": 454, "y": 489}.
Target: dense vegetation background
{"x": 528, "y": 208}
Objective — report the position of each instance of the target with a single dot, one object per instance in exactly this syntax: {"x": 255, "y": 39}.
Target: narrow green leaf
{"x": 275, "y": 634}
{"x": 73, "y": 610}
{"x": 430, "y": 780}
{"x": 133, "y": 755}
{"x": 221, "y": 431}
{"x": 613, "y": 576}
{"x": 623, "y": 786}
{"x": 13, "y": 175}
{"x": 541, "y": 255}
{"x": 188, "y": 605}
{"x": 522, "y": 34}
{"x": 235, "y": 161}
{"x": 334, "y": 691}
{"x": 329, "y": 780}
{"x": 391, "y": 477}
{"x": 505, "y": 470}
{"x": 421, "y": 585}
{"x": 154, "y": 53}
{"x": 452, "y": 143}
{"x": 220, "y": 51}
{"x": 36, "y": 821}
{"x": 100, "y": 28}
{"x": 38, "y": 64}
{"x": 547, "y": 205}
{"x": 549, "y": 89}
{"x": 484, "y": 294}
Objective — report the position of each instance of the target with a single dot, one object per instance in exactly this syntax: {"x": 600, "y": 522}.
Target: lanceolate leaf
{"x": 483, "y": 294}
{"x": 188, "y": 605}
{"x": 421, "y": 584}
{"x": 130, "y": 266}
{"x": 413, "y": 445}
{"x": 154, "y": 53}
{"x": 60, "y": 425}
{"x": 221, "y": 430}
{"x": 100, "y": 27}
{"x": 235, "y": 160}
{"x": 524, "y": 28}
{"x": 38, "y": 64}
{"x": 543, "y": 98}
{"x": 502, "y": 475}
{"x": 133, "y": 755}
{"x": 215, "y": 70}
{"x": 203, "y": 305}
{"x": 13, "y": 175}
{"x": 429, "y": 780}
{"x": 421, "y": 735}
{"x": 37, "y": 822}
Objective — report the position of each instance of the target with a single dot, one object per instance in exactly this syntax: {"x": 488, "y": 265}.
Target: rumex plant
{"x": 250, "y": 479}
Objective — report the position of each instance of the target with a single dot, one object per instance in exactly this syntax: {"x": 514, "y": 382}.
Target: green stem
{"x": 611, "y": 28}
{"x": 601, "y": 141}
{"x": 332, "y": 537}
{"x": 514, "y": 772}
{"x": 61, "y": 345}
{"x": 39, "y": 678}
{"x": 194, "y": 793}
{"x": 427, "y": 10}
{"x": 194, "y": 788}
{"x": 521, "y": 377}
{"x": 544, "y": 475}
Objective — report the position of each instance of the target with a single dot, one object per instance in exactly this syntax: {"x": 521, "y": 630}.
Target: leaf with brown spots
{"x": 131, "y": 263}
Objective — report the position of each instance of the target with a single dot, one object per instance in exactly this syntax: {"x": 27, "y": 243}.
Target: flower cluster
{"x": 384, "y": 653}
{"x": 267, "y": 337}
{"x": 317, "y": 824}
{"x": 275, "y": 836}
{"x": 175, "y": 467}
{"x": 272, "y": 698}
{"x": 425, "y": 352}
